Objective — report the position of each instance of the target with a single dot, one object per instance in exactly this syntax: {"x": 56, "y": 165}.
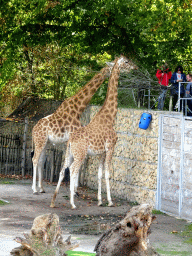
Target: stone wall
{"x": 134, "y": 164}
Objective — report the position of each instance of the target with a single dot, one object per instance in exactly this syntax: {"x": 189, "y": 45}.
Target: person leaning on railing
{"x": 177, "y": 76}
{"x": 188, "y": 94}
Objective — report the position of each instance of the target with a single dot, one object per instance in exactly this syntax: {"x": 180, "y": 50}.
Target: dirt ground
{"x": 87, "y": 220}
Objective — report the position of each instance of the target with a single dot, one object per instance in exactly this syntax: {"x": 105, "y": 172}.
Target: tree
{"x": 115, "y": 26}
{"x": 149, "y": 30}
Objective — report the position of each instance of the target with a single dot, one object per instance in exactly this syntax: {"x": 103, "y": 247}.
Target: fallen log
{"x": 129, "y": 236}
{"x": 45, "y": 238}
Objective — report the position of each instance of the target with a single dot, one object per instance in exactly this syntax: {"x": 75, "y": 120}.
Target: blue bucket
{"x": 145, "y": 121}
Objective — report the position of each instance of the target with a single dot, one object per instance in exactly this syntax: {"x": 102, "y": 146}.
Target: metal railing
{"x": 183, "y": 106}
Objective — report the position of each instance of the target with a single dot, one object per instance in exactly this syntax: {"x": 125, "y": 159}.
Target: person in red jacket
{"x": 164, "y": 75}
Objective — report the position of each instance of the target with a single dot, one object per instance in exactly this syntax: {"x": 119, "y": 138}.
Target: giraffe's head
{"x": 124, "y": 63}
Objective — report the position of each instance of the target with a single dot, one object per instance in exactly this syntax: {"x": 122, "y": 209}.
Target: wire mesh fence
{"x": 10, "y": 154}
{"x": 16, "y": 159}
{"x": 11, "y": 159}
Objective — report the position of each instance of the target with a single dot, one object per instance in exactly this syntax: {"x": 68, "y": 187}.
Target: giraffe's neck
{"x": 80, "y": 100}
{"x": 109, "y": 108}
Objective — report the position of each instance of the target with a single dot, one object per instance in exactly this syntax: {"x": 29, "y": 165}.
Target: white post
{"x": 179, "y": 107}
{"x": 159, "y": 168}
{"x": 181, "y": 165}
{"x": 170, "y": 103}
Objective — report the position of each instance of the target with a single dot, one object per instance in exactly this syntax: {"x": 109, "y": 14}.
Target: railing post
{"x": 159, "y": 168}
{"x": 181, "y": 165}
{"x": 24, "y": 147}
{"x": 170, "y": 103}
{"x": 179, "y": 107}
{"x": 149, "y": 98}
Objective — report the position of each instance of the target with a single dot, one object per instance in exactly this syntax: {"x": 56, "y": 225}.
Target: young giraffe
{"x": 57, "y": 126}
{"x": 97, "y": 138}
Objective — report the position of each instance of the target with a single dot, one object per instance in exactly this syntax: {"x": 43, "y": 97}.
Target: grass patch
{"x": 6, "y": 181}
{"x": 157, "y": 212}
{"x": 71, "y": 253}
{"x": 187, "y": 233}
{"x": 184, "y": 253}
{"x": 188, "y": 241}
{"x": 135, "y": 203}
{"x": 14, "y": 180}
{"x": 2, "y": 202}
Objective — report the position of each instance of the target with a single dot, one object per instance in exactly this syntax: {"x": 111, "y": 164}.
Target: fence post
{"x": 24, "y": 146}
{"x": 181, "y": 164}
{"x": 159, "y": 167}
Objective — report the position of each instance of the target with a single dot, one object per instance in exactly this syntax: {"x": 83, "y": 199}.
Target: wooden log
{"x": 129, "y": 236}
{"x": 45, "y": 238}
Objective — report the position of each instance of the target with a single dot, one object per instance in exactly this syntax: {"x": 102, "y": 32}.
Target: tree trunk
{"x": 45, "y": 238}
{"x": 129, "y": 237}
{"x": 30, "y": 67}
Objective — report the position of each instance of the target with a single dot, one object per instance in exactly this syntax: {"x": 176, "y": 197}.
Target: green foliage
{"x": 56, "y": 73}
{"x": 125, "y": 98}
{"x": 47, "y": 47}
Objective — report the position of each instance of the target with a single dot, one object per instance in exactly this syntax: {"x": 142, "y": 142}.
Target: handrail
{"x": 182, "y": 98}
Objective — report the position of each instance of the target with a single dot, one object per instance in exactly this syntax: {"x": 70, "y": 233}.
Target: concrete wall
{"x": 175, "y": 166}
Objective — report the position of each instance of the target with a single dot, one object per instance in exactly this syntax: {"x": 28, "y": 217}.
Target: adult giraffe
{"x": 97, "y": 138}
{"x": 57, "y": 127}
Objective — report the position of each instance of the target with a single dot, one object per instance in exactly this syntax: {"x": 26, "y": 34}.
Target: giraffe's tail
{"x": 67, "y": 176}
{"x": 32, "y": 151}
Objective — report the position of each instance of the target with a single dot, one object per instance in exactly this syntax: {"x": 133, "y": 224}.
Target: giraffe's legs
{"x": 76, "y": 183}
{"x": 100, "y": 171}
{"x": 67, "y": 164}
{"x": 38, "y": 161}
{"x": 61, "y": 176}
{"x": 34, "y": 187}
{"x": 40, "y": 171}
{"x": 74, "y": 180}
{"x": 107, "y": 169}
{"x": 38, "y": 168}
